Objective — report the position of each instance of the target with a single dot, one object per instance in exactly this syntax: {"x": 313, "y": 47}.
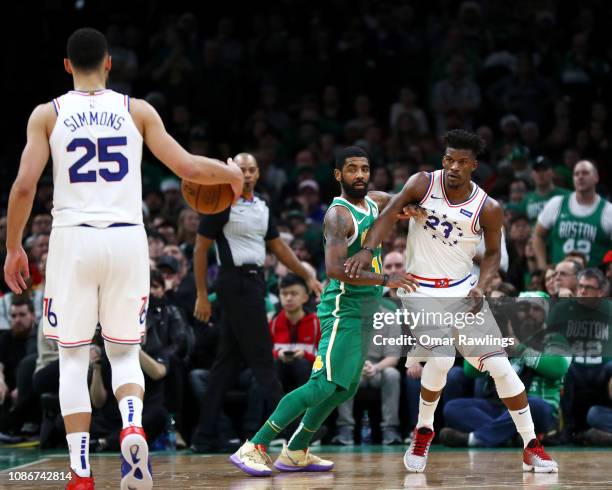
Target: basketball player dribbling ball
{"x": 98, "y": 264}
{"x": 440, "y": 254}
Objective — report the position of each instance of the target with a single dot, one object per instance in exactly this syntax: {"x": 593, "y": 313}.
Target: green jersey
{"x": 586, "y": 324}
{"x": 340, "y": 298}
{"x": 534, "y": 202}
{"x": 581, "y": 233}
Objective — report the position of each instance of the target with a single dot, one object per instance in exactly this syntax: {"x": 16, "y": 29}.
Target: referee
{"x": 241, "y": 235}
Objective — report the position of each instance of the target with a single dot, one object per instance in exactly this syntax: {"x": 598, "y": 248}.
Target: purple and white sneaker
{"x": 252, "y": 459}
{"x": 301, "y": 460}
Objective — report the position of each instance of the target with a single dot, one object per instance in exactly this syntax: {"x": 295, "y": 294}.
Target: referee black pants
{"x": 245, "y": 336}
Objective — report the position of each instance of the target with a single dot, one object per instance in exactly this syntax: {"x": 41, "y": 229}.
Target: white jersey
{"x": 97, "y": 151}
{"x": 442, "y": 247}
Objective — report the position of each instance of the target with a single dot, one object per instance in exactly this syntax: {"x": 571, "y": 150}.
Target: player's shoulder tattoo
{"x": 337, "y": 225}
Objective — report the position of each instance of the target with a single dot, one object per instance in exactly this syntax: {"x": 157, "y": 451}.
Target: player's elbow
{"x": 23, "y": 188}
{"x": 335, "y": 271}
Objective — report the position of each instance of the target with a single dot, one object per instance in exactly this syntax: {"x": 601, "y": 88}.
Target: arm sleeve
{"x": 272, "y": 231}
{"x": 211, "y": 225}
{"x": 549, "y": 214}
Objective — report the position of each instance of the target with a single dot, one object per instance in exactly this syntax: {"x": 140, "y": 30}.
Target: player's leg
{"x": 251, "y": 457}
{"x": 124, "y": 291}
{"x": 295, "y": 456}
{"x": 511, "y": 391}
{"x": 70, "y": 317}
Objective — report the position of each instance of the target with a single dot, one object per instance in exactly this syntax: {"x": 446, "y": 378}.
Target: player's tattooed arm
{"x": 491, "y": 221}
{"x": 410, "y": 211}
{"x": 414, "y": 190}
{"x": 338, "y": 227}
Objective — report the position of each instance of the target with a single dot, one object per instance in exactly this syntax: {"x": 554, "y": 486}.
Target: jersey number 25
{"x": 104, "y": 155}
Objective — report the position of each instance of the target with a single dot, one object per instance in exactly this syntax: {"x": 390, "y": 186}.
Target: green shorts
{"x": 342, "y": 350}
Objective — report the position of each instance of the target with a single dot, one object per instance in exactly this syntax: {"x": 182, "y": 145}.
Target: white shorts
{"x": 96, "y": 275}
{"x": 464, "y": 334}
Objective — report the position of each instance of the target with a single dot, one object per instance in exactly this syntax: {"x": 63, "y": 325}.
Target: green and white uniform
{"x": 574, "y": 227}
{"x": 346, "y": 310}
{"x": 534, "y": 202}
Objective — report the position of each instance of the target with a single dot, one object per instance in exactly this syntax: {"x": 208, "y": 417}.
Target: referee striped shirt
{"x": 240, "y": 232}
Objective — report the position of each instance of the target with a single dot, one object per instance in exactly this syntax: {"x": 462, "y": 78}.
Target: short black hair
{"x": 21, "y": 300}
{"x": 157, "y": 278}
{"x": 519, "y": 217}
{"x": 460, "y": 139}
{"x": 291, "y": 280}
{"x": 350, "y": 152}
{"x": 86, "y": 48}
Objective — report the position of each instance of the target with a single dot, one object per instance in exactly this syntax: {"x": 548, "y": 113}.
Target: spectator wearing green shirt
{"x": 533, "y": 202}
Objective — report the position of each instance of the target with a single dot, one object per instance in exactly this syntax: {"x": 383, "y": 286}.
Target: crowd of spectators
{"x": 292, "y": 87}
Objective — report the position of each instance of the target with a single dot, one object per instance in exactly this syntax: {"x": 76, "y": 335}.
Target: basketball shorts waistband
{"x": 439, "y": 282}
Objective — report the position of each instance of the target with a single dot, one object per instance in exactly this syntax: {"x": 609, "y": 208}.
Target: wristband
{"x": 369, "y": 250}
{"x": 385, "y": 279}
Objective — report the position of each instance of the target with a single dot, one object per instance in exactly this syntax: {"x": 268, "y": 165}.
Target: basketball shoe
{"x": 535, "y": 459}
{"x": 252, "y": 459}
{"x": 301, "y": 460}
{"x": 80, "y": 482}
{"x": 135, "y": 464}
{"x": 415, "y": 458}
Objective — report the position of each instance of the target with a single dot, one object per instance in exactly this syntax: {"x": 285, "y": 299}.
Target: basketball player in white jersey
{"x": 98, "y": 265}
{"x": 440, "y": 250}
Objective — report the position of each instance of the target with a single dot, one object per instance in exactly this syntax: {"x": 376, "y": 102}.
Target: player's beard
{"x": 354, "y": 192}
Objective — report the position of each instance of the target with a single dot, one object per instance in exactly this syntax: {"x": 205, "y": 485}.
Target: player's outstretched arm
{"x": 338, "y": 226}
{"x": 410, "y": 211}
{"x": 33, "y": 161}
{"x": 413, "y": 191}
{"x": 195, "y": 168}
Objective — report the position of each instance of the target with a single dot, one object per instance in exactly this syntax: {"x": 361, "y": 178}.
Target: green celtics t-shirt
{"x": 578, "y": 233}
{"x": 534, "y": 202}
{"x": 340, "y": 298}
{"x": 586, "y": 324}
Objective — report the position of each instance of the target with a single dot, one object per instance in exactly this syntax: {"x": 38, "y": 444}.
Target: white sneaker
{"x": 301, "y": 460}
{"x": 252, "y": 459}
{"x": 415, "y": 458}
{"x": 537, "y": 460}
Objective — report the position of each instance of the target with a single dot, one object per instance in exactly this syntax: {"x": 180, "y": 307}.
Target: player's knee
{"x": 73, "y": 389}
{"x": 317, "y": 390}
{"x": 442, "y": 363}
{"x": 390, "y": 375}
{"x": 507, "y": 382}
{"x": 125, "y": 364}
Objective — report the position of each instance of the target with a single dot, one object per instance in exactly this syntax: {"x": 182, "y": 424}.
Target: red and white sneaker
{"x": 135, "y": 464}
{"x": 415, "y": 457}
{"x": 80, "y": 482}
{"x": 535, "y": 459}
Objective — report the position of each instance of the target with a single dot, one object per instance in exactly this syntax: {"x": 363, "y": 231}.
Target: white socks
{"x": 78, "y": 445}
{"x": 426, "y": 413}
{"x": 131, "y": 411}
{"x": 524, "y": 424}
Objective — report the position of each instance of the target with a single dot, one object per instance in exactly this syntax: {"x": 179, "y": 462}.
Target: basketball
{"x": 207, "y": 199}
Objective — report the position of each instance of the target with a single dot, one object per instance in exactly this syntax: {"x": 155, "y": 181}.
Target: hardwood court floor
{"x": 356, "y": 468}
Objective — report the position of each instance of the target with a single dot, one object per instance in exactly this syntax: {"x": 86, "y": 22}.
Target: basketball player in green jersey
{"x": 345, "y": 315}
{"x": 581, "y": 221}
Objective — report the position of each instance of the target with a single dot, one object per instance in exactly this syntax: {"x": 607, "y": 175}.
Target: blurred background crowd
{"x": 292, "y": 85}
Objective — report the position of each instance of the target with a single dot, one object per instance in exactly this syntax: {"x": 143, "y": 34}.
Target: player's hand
{"x": 414, "y": 371}
{"x": 284, "y": 358}
{"x": 203, "y": 308}
{"x": 238, "y": 182}
{"x": 477, "y": 296}
{"x": 402, "y": 280}
{"x": 412, "y": 211}
{"x": 16, "y": 270}
{"x": 315, "y": 286}
{"x": 361, "y": 260}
